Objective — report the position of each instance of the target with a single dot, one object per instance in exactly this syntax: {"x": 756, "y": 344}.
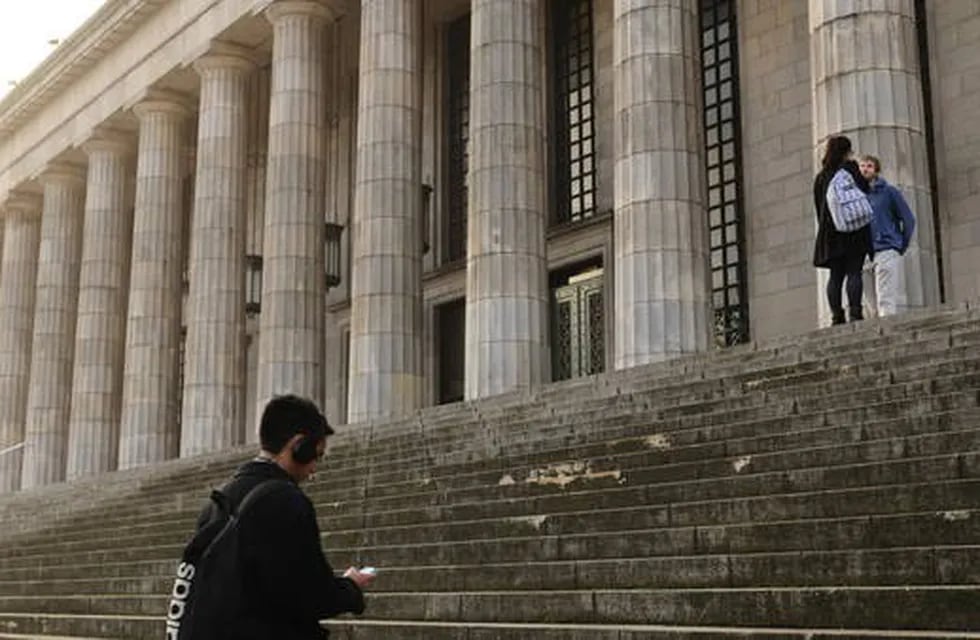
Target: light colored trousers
{"x": 890, "y": 294}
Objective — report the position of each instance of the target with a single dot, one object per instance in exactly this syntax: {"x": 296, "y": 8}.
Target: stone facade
{"x": 262, "y": 198}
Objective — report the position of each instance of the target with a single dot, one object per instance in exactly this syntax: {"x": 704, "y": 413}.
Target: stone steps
{"x": 937, "y": 565}
{"x": 946, "y": 432}
{"x": 646, "y": 467}
{"x": 412, "y": 630}
{"x": 940, "y": 489}
{"x": 756, "y": 409}
{"x": 817, "y": 488}
{"x": 486, "y": 406}
{"x": 206, "y": 470}
{"x": 925, "y": 607}
{"x": 883, "y": 532}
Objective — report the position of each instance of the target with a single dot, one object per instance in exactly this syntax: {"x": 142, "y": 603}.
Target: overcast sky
{"x": 26, "y": 26}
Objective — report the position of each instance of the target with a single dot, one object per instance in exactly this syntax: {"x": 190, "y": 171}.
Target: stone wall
{"x": 777, "y": 165}
{"x": 955, "y": 47}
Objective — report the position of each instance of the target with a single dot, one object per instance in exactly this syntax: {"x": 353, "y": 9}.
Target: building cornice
{"x": 112, "y": 23}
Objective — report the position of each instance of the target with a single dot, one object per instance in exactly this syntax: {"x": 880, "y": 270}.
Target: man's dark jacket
{"x": 832, "y": 245}
{"x": 289, "y": 585}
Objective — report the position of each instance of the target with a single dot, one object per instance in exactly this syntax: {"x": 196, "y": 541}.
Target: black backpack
{"x": 207, "y": 593}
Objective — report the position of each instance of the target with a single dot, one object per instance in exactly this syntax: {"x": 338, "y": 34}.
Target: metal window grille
{"x": 574, "y": 114}
{"x": 578, "y": 329}
{"x": 723, "y": 153}
{"x": 458, "y": 134}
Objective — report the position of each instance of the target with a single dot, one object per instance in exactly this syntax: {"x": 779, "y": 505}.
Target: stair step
{"x": 860, "y": 567}
{"x": 645, "y": 467}
{"x": 417, "y": 630}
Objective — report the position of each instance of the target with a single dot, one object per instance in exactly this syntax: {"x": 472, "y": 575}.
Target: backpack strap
{"x": 259, "y": 491}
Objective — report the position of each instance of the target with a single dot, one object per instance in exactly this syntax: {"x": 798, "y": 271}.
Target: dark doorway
{"x": 451, "y": 344}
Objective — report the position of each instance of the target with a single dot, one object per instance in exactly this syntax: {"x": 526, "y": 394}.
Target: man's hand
{"x": 360, "y": 579}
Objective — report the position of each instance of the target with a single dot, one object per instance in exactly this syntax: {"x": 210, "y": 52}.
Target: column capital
{"x": 285, "y": 8}
{"x": 162, "y": 101}
{"x": 225, "y": 55}
{"x": 109, "y": 139}
{"x": 62, "y": 173}
{"x": 23, "y": 202}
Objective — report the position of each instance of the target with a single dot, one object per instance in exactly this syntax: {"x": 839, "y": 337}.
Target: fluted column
{"x": 149, "y": 431}
{"x": 293, "y": 278}
{"x": 55, "y": 312}
{"x": 867, "y": 85}
{"x": 214, "y": 370}
{"x": 386, "y": 294}
{"x": 100, "y": 334}
{"x": 506, "y": 280}
{"x": 21, "y": 238}
{"x": 660, "y": 225}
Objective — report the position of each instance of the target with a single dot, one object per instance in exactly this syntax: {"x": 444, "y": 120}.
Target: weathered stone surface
{"x": 149, "y": 429}
{"x": 507, "y": 345}
{"x": 100, "y": 334}
{"x": 293, "y": 280}
{"x": 662, "y": 303}
{"x": 386, "y": 292}
{"x": 213, "y": 412}
{"x": 22, "y": 234}
{"x": 55, "y": 313}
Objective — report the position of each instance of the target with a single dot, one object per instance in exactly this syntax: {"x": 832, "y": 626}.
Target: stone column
{"x": 293, "y": 279}
{"x": 662, "y": 285}
{"x": 100, "y": 334}
{"x": 214, "y": 373}
{"x": 148, "y": 430}
{"x": 21, "y": 238}
{"x": 55, "y": 312}
{"x": 867, "y": 86}
{"x": 386, "y": 295}
{"x": 506, "y": 280}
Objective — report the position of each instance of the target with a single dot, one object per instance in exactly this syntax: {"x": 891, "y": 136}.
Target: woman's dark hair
{"x": 285, "y": 416}
{"x": 838, "y": 148}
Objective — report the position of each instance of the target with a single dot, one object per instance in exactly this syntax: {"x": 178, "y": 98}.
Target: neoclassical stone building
{"x": 390, "y": 204}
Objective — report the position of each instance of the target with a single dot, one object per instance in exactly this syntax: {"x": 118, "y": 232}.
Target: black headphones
{"x": 304, "y": 451}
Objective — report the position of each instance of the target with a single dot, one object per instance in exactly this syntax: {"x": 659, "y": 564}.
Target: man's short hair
{"x": 873, "y": 160}
{"x": 285, "y": 416}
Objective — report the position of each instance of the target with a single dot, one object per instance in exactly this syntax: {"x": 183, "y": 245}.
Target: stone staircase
{"x": 818, "y": 487}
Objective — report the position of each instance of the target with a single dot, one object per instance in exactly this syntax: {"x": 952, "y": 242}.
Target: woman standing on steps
{"x": 841, "y": 252}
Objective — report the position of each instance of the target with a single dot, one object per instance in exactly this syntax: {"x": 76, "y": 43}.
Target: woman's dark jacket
{"x": 288, "y": 584}
{"x": 832, "y": 245}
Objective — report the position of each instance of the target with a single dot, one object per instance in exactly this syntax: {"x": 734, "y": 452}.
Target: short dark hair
{"x": 285, "y": 416}
{"x": 873, "y": 160}
{"x": 838, "y": 147}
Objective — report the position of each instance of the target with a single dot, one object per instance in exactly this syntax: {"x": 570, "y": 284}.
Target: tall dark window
{"x": 922, "y": 35}
{"x": 458, "y": 135}
{"x": 181, "y": 363}
{"x": 344, "y": 375}
{"x": 574, "y": 115}
{"x": 723, "y": 153}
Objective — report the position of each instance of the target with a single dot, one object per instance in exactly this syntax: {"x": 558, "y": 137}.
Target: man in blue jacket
{"x": 892, "y": 228}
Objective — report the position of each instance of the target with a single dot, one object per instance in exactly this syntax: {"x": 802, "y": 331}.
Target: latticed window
{"x": 574, "y": 115}
{"x": 578, "y": 332}
{"x": 719, "y": 57}
{"x": 457, "y": 133}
